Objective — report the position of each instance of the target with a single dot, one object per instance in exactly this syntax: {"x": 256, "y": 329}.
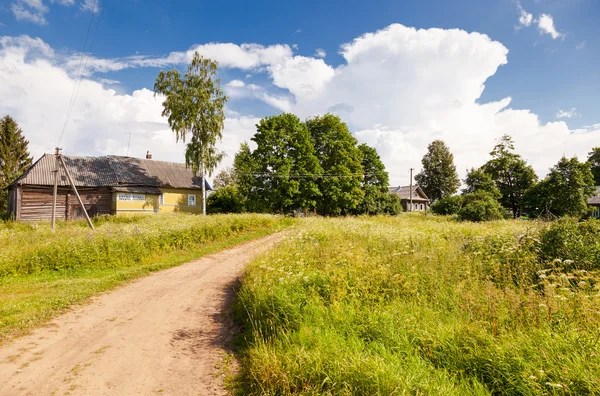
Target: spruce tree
{"x": 438, "y": 178}
{"x": 14, "y": 156}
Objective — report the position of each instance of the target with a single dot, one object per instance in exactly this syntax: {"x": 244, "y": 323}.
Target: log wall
{"x": 36, "y": 203}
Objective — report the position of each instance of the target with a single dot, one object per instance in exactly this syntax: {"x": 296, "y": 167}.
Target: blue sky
{"x": 542, "y": 54}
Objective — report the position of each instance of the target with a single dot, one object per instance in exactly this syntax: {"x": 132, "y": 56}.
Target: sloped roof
{"x": 595, "y": 200}
{"x": 404, "y": 193}
{"x": 111, "y": 171}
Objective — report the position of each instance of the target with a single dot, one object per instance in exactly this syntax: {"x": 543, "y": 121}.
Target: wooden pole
{"x": 62, "y": 161}
{"x": 411, "y": 204}
{"x": 57, "y": 153}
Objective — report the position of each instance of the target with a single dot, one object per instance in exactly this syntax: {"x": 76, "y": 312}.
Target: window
{"x": 421, "y": 206}
{"x": 191, "y": 200}
{"x": 131, "y": 197}
{"x": 161, "y": 199}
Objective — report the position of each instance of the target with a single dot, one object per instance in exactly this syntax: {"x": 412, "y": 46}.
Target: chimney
{"x": 148, "y": 155}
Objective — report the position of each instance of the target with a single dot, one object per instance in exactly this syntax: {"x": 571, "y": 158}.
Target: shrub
{"x": 573, "y": 242}
{"x": 225, "y": 200}
{"x": 377, "y": 202}
{"x": 480, "y": 206}
{"x": 449, "y": 205}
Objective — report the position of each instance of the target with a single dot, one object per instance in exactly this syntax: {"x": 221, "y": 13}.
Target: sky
{"x": 400, "y": 73}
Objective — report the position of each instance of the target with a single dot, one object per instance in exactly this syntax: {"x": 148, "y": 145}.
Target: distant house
{"x": 420, "y": 201}
{"x": 594, "y": 203}
{"x": 107, "y": 185}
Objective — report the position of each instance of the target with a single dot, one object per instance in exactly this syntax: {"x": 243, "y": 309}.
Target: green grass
{"x": 43, "y": 273}
{"x": 417, "y": 305}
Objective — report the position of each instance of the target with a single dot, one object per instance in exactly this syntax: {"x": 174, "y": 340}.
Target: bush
{"x": 480, "y": 206}
{"x": 225, "y": 200}
{"x": 448, "y": 205}
{"x": 377, "y": 202}
{"x": 572, "y": 242}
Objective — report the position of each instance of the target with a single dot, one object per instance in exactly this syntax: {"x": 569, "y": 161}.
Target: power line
{"x": 79, "y": 71}
{"x": 308, "y": 175}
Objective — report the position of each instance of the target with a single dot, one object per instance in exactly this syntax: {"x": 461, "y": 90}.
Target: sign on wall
{"x": 131, "y": 197}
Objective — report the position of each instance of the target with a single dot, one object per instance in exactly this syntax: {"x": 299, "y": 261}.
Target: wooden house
{"x": 594, "y": 203}
{"x": 420, "y": 202}
{"x": 107, "y": 185}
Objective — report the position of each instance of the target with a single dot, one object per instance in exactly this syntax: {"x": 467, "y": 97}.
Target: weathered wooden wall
{"x": 36, "y": 203}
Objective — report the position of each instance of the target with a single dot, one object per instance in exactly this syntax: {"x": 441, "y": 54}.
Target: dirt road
{"x": 163, "y": 334}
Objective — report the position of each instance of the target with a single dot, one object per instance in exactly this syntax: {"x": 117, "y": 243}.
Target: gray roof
{"x": 595, "y": 200}
{"x": 404, "y": 193}
{"x": 111, "y": 171}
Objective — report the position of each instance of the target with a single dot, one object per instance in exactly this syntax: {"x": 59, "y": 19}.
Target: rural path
{"x": 164, "y": 334}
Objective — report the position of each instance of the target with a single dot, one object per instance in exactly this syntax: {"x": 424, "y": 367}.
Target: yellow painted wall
{"x": 150, "y": 205}
{"x": 174, "y": 200}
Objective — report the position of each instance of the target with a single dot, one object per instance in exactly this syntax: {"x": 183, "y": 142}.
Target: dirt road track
{"x": 162, "y": 334}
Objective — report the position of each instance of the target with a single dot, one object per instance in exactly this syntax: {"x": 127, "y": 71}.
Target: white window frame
{"x": 191, "y": 199}
{"x": 161, "y": 199}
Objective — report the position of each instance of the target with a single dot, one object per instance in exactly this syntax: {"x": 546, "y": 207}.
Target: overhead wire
{"x": 79, "y": 75}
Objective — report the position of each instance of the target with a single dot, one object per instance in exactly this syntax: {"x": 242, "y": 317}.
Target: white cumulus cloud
{"x": 525, "y": 18}
{"x": 545, "y": 24}
{"x": 567, "y": 113}
{"x": 398, "y": 89}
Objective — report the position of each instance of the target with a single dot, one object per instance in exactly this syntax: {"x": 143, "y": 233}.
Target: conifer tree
{"x": 14, "y": 156}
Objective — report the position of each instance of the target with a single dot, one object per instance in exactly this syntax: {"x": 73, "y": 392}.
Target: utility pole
{"x": 411, "y": 204}
{"x": 87, "y": 217}
{"x": 56, "y": 164}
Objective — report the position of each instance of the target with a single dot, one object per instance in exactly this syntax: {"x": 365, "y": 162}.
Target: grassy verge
{"x": 44, "y": 273}
{"x": 415, "y": 305}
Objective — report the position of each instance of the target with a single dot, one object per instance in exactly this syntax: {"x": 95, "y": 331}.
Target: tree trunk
{"x": 203, "y": 188}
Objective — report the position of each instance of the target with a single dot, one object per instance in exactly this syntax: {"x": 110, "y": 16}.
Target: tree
{"x": 244, "y": 169}
{"x": 340, "y": 159}
{"x": 194, "y": 105}
{"x": 224, "y": 178}
{"x": 375, "y": 183}
{"x": 225, "y": 200}
{"x": 564, "y": 192}
{"x": 478, "y": 180}
{"x": 14, "y": 156}
{"x": 375, "y": 174}
{"x": 438, "y": 177}
{"x": 511, "y": 174}
{"x": 449, "y": 205}
{"x": 594, "y": 160}
{"x": 285, "y": 165}
{"x": 480, "y": 206}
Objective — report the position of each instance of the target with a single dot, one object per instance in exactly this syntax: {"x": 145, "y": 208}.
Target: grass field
{"x": 42, "y": 273}
{"x": 418, "y": 305}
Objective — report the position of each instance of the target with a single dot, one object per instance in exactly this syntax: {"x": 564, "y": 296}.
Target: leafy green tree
{"x": 438, "y": 177}
{"x": 14, "y": 156}
{"x": 449, "y": 205}
{"x": 564, "y": 192}
{"x": 478, "y": 180}
{"x": 480, "y": 206}
{"x": 340, "y": 159}
{"x": 285, "y": 165}
{"x": 375, "y": 183}
{"x": 226, "y": 199}
{"x": 244, "y": 169}
{"x": 594, "y": 160}
{"x": 194, "y": 105}
{"x": 226, "y": 177}
{"x": 375, "y": 174}
{"x": 511, "y": 174}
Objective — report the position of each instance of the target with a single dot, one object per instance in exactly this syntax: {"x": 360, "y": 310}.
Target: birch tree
{"x": 194, "y": 106}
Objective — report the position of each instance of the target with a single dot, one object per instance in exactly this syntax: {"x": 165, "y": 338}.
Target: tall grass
{"x": 416, "y": 305}
{"x": 42, "y": 273}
